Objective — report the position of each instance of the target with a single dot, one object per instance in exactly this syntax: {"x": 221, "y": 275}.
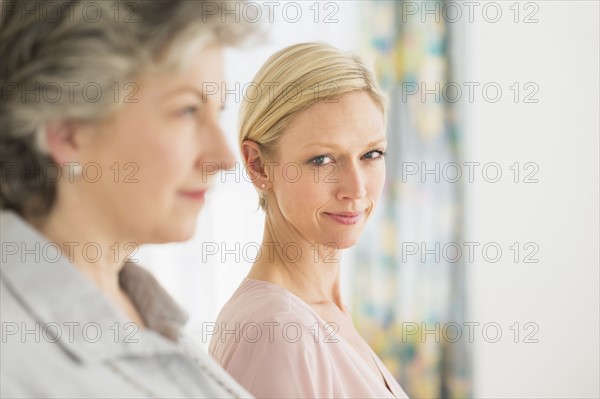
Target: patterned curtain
{"x": 408, "y": 302}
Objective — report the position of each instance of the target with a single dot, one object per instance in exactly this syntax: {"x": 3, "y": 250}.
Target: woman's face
{"x": 331, "y": 169}
{"x": 157, "y": 156}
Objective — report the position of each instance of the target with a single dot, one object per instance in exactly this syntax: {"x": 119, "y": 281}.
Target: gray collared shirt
{"x": 61, "y": 337}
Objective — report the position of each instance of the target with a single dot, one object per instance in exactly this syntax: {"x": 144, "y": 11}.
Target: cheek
{"x": 146, "y": 157}
{"x": 164, "y": 164}
{"x": 296, "y": 197}
{"x": 376, "y": 182}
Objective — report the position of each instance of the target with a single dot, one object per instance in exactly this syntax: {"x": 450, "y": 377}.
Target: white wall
{"x": 560, "y": 213}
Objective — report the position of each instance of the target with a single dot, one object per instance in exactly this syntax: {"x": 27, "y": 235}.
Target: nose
{"x": 351, "y": 182}
{"x": 216, "y": 151}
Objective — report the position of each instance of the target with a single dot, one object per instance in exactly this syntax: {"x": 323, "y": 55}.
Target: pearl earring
{"x": 263, "y": 185}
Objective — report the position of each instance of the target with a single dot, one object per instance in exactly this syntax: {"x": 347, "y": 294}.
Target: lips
{"x": 196, "y": 195}
{"x": 345, "y": 218}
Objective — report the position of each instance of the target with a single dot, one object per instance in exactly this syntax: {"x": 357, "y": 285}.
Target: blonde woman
{"x": 104, "y": 134}
{"x": 314, "y": 147}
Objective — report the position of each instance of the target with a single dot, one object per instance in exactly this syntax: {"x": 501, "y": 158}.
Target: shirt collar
{"x": 63, "y": 300}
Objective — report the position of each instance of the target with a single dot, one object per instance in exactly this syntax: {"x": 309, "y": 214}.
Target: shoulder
{"x": 261, "y": 317}
{"x": 276, "y": 355}
{"x": 29, "y": 349}
{"x": 259, "y": 301}
{"x": 265, "y": 337}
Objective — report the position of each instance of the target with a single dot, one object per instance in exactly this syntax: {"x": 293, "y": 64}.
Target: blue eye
{"x": 378, "y": 154}
{"x": 320, "y": 160}
{"x": 191, "y": 110}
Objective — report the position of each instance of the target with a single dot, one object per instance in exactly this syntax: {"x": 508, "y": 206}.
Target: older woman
{"x": 314, "y": 147}
{"x": 105, "y": 141}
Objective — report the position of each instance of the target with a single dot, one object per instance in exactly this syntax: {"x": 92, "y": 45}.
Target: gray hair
{"x": 58, "y": 55}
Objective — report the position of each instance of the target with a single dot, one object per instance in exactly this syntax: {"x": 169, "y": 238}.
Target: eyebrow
{"x": 199, "y": 93}
{"x": 334, "y": 145}
{"x": 178, "y": 90}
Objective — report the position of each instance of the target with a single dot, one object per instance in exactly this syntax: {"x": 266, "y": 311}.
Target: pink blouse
{"x": 275, "y": 345}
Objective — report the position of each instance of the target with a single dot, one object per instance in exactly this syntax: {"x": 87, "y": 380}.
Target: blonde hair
{"x": 53, "y": 52}
{"x": 292, "y": 80}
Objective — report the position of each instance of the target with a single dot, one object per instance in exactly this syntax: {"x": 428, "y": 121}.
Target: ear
{"x": 254, "y": 161}
{"x": 61, "y": 142}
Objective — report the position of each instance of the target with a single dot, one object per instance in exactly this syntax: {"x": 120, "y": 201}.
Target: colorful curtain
{"x": 407, "y": 301}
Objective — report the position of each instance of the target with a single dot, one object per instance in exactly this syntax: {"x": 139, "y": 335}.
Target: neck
{"x": 309, "y": 270}
{"x": 88, "y": 243}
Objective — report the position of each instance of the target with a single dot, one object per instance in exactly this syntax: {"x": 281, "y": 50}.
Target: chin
{"x": 175, "y": 231}
{"x": 341, "y": 242}
{"x": 182, "y": 235}
{"x": 347, "y": 237}
{"x": 166, "y": 237}
{"x": 182, "y": 227}
{"x": 346, "y": 244}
